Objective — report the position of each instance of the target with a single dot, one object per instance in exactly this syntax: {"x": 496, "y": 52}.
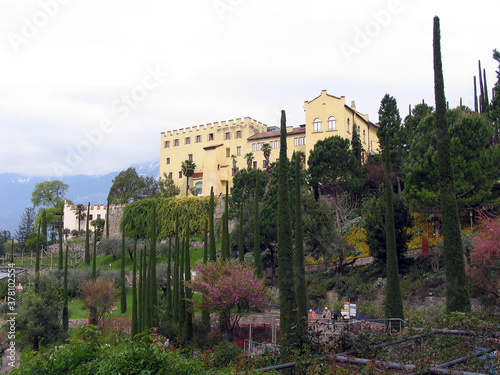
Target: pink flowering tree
{"x": 484, "y": 264}
{"x": 229, "y": 289}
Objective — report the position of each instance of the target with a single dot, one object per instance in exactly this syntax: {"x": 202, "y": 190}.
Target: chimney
{"x": 353, "y": 105}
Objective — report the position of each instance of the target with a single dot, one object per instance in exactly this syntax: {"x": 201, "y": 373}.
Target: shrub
{"x": 224, "y": 353}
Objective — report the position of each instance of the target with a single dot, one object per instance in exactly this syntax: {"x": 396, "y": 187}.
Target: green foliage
{"x": 49, "y": 193}
{"x": 138, "y": 216}
{"x": 168, "y": 189}
{"x": 128, "y": 187}
{"x": 224, "y": 353}
{"x": 374, "y": 225}
{"x": 474, "y": 161}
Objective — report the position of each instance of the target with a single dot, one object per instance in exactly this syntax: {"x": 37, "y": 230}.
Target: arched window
{"x": 332, "y": 123}
{"x": 199, "y": 188}
{"x": 317, "y": 125}
{"x": 364, "y": 137}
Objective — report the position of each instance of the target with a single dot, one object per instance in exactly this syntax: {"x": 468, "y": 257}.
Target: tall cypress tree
{"x": 285, "y": 251}
{"x": 182, "y": 301}
{"x": 134, "y": 325}
{"x": 457, "y": 295}
{"x": 152, "y": 260}
{"x": 60, "y": 234}
{"x": 213, "y": 252}
{"x": 65, "y": 312}
{"x": 223, "y": 254}
{"x": 256, "y": 233}
{"x": 226, "y": 248}
{"x": 37, "y": 262}
{"x": 87, "y": 238}
{"x": 176, "y": 270}
{"x": 123, "y": 300}
{"x": 140, "y": 307}
{"x": 300, "y": 269}
{"x": 12, "y": 252}
{"x": 205, "y": 315}
{"x": 94, "y": 256}
{"x": 188, "y": 326}
{"x": 241, "y": 245}
{"x": 169, "y": 282}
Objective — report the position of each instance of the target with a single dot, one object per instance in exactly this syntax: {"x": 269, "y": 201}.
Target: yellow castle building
{"x": 220, "y": 149}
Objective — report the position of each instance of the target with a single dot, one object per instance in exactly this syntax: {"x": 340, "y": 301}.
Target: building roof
{"x": 276, "y": 133}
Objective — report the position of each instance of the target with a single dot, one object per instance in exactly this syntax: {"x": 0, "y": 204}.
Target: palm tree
{"x": 80, "y": 214}
{"x": 187, "y": 168}
{"x": 249, "y": 158}
{"x": 266, "y": 149}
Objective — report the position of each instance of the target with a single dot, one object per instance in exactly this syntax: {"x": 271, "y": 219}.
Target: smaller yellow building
{"x": 220, "y": 149}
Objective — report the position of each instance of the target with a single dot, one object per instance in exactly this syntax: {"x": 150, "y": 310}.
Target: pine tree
{"x": 213, "y": 252}
{"x": 134, "y": 325}
{"x": 457, "y": 296}
{"x": 65, "y": 312}
{"x": 285, "y": 251}
{"x": 87, "y": 238}
{"x": 123, "y": 300}
{"x": 256, "y": 233}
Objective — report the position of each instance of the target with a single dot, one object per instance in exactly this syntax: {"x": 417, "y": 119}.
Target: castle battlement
{"x": 216, "y": 125}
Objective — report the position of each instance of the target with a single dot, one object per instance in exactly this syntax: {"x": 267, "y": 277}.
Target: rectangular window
{"x": 228, "y": 152}
{"x": 198, "y": 138}
{"x": 238, "y": 134}
{"x": 170, "y": 174}
{"x": 364, "y": 137}
{"x": 91, "y": 217}
{"x": 255, "y": 164}
{"x": 180, "y": 174}
{"x": 211, "y": 137}
{"x": 227, "y": 135}
{"x": 295, "y": 141}
{"x": 167, "y": 144}
{"x": 190, "y": 157}
{"x": 188, "y": 140}
{"x": 176, "y": 142}
{"x": 238, "y": 151}
{"x": 168, "y": 160}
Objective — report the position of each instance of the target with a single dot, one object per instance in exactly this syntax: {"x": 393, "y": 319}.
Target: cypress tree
{"x": 176, "y": 270}
{"x": 65, "y": 312}
{"x": 169, "y": 282}
{"x": 182, "y": 301}
{"x": 457, "y": 296}
{"x": 285, "y": 250}
{"x": 223, "y": 254}
{"x": 94, "y": 256}
{"x": 60, "y": 234}
{"x": 486, "y": 100}
{"x": 144, "y": 286}
{"x": 213, "y": 252}
{"x": 37, "y": 262}
{"x": 475, "y": 95}
{"x": 123, "y": 300}
{"x": 300, "y": 270}
{"x": 44, "y": 223}
{"x": 107, "y": 219}
{"x": 393, "y": 300}
{"x": 205, "y": 315}
{"x": 241, "y": 245}
{"x": 188, "y": 327}
{"x": 256, "y": 233}
{"x": 152, "y": 260}
{"x": 134, "y": 325}
{"x": 12, "y": 252}
{"x": 140, "y": 307}
{"x": 226, "y": 224}
{"x": 87, "y": 239}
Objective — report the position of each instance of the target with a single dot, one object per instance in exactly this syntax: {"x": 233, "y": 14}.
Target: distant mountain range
{"x": 16, "y": 189}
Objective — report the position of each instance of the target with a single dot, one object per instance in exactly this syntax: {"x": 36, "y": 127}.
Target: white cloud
{"x": 258, "y": 58}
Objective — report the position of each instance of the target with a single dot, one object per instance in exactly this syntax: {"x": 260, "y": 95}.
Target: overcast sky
{"x": 86, "y": 87}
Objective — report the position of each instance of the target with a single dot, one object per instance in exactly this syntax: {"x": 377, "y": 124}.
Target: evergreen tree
{"x": 205, "y": 315}
{"x": 226, "y": 248}
{"x": 65, "y": 312}
{"x": 176, "y": 270}
{"x": 12, "y": 252}
{"x": 94, "y": 256}
{"x": 188, "y": 327}
{"x": 134, "y": 325}
{"x": 60, "y": 235}
{"x": 152, "y": 270}
{"x": 87, "y": 239}
{"x": 241, "y": 245}
{"x": 169, "y": 273}
{"x": 107, "y": 220}
{"x": 457, "y": 296}
{"x": 256, "y": 234}
{"x": 182, "y": 294}
{"x": 37, "y": 262}
{"x": 285, "y": 251}
{"x": 213, "y": 253}
{"x": 495, "y": 102}
{"x": 123, "y": 300}
{"x": 300, "y": 269}
{"x": 357, "y": 147}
